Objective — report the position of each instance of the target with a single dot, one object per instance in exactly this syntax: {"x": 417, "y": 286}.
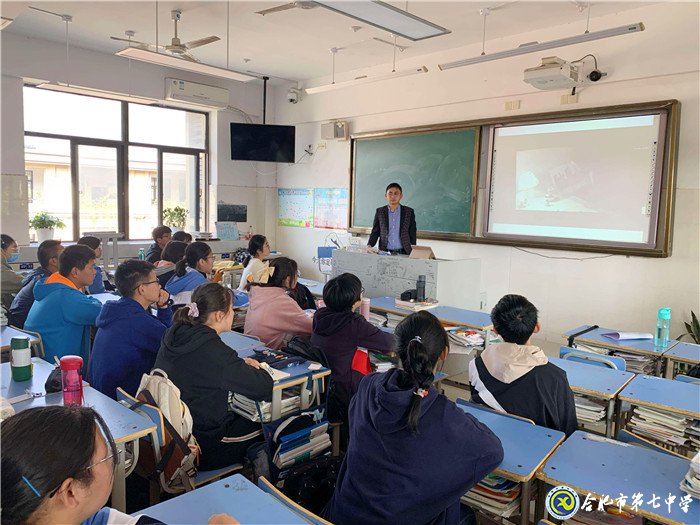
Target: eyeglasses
{"x": 109, "y": 456}
{"x": 212, "y": 257}
{"x": 147, "y": 283}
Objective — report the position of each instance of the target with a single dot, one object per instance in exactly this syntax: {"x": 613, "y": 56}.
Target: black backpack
{"x": 311, "y": 484}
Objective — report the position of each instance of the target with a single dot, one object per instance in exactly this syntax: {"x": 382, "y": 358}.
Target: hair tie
{"x": 193, "y": 310}
{"x": 38, "y": 494}
{"x": 263, "y": 275}
{"x": 417, "y": 338}
{"x": 420, "y": 392}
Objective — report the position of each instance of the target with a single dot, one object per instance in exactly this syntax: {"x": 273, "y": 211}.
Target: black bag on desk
{"x": 301, "y": 347}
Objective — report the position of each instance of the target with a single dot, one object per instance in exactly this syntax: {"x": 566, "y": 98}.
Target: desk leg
{"x": 609, "y": 418}
{"x": 119, "y": 485}
{"x": 668, "y": 372}
{"x": 276, "y": 407}
{"x": 525, "y": 502}
{"x": 618, "y": 418}
{"x": 539, "y": 501}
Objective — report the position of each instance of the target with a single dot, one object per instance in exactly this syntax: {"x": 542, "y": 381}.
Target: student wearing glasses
{"x": 192, "y": 270}
{"x": 128, "y": 335}
{"x": 68, "y": 478}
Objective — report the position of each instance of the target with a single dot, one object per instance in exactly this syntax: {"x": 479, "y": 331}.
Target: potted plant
{"x": 45, "y": 224}
{"x": 693, "y": 328}
{"x": 175, "y": 217}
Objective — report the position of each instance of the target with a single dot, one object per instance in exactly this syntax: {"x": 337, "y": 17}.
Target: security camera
{"x": 293, "y": 95}
{"x": 596, "y": 75}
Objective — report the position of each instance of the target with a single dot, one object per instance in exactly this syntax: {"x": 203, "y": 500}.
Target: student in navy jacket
{"x": 413, "y": 453}
{"x": 516, "y": 377}
{"x": 128, "y": 335}
{"x": 339, "y": 330}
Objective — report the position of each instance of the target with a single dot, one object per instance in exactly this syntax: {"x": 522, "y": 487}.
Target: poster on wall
{"x": 295, "y": 207}
{"x": 331, "y": 208}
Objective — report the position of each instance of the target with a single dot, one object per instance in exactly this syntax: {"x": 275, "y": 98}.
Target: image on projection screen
{"x": 593, "y": 180}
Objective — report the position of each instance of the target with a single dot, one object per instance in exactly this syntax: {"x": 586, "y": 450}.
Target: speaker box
{"x": 337, "y": 130}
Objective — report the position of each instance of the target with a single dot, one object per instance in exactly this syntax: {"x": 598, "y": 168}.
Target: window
{"x": 80, "y": 168}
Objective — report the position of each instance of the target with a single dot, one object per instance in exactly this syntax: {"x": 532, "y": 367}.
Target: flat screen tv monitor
{"x": 262, "y": 142}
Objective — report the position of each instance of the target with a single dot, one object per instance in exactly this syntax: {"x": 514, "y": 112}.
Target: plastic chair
{"x": 591, "y": 358}
{"x": 297, "y": 509}
{"x": 37, "y": 346}
{"x": 489, "y": 409}
{"x": 324, "y": 258}
{"x": 158, "y": 436}
{"x": 628, "y": 437}
{"x": 687, "y": 379}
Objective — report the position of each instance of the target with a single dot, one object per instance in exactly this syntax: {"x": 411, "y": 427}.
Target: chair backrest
{"x": 300, "y": 511}
{"x": 628, "y": 437}
{"x": 687, "y": 379}
{"x": 325, "y": 252}
{"x": 489, "y": 409}
{"x": 151, "y": 412}
{"x": 591, "y": 358}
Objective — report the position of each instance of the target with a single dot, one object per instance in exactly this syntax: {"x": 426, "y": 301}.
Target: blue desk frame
{"x": 525, "y": 447}
{"x": 447, "y": 314}
{"x": 234, "y": 495}
{"x": 595, "y": 381}
{"x": 680, "y": 353}
{"x": 592, "y": 464}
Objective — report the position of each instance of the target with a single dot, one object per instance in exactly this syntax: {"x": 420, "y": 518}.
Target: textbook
{"x": 415, "y": 305}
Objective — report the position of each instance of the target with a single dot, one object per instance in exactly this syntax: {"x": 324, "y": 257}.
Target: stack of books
{"x": 393, "y": 319}
{"x": 665, "y": 428}
{"x": 246, "y": 407}
{"x": 589, "y": 410}
{"x": 465, "y": 337}
{"x": 382, "y": 362}
{"x": 495, "y": 495}
{"x": 691, "y": 483}
{"x": 416, "y": 306}
{"x": 377, "y": 319}
{"x": 637, "y": 363}
{"x": 302, "y": 445}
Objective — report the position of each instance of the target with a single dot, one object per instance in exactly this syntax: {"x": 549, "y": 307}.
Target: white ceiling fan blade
{"x": 187, "y": 56}
{"x": 132, "y": 41}
{"x": 201, "y": 42}
{"x": 271, "y": 10}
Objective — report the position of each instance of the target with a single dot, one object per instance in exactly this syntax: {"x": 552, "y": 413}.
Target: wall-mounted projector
{"x": 554, "y": 73}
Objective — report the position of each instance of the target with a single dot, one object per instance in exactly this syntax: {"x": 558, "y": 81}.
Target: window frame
{"x": 202, "y": 161}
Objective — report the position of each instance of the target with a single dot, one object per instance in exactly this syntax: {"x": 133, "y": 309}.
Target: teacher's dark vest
{"x": 404, "y": 225}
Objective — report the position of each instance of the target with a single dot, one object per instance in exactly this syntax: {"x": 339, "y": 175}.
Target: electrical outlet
{"x": 482, "y": 301}
{"x": 321, "y": 145}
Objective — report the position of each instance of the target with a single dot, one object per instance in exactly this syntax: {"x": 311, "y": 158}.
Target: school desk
{"x": 298, "y": 375}
{"x": 603, "y": 467}
{"x": 682, "y": 352}
{"x": 8, "y": 332}
{"x": 633, "y": 346}
{"x": 126, "y": 426}
{"x": 315, "y": 287}
{"x": 239, "y": 341}
{"x": 525, "y": 447}
{"x": 105, "y": 297}
{"x": 234, "y": 495}
{"x": 665, "y": 394}
{"x": 595, "y": 381}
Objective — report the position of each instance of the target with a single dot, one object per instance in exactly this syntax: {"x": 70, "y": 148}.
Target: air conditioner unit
{"x": 337, "y": 130}
{"x": 193, "y": 93}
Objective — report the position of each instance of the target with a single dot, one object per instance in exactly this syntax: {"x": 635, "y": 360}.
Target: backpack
{"x": 312, "y": 483}
{"x": 176, "y": 468}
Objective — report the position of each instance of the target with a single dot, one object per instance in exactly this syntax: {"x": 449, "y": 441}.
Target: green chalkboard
{"x": 436, "y": 169}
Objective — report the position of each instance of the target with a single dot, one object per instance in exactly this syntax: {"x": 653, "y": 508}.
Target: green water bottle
{"x": 142, "y": 254}
{"x": 20, "y": 359}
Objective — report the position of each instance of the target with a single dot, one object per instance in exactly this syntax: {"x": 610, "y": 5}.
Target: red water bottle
{"x": 72, "y": 379}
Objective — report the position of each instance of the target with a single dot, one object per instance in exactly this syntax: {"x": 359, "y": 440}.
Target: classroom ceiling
{"x": 294, "y": 44}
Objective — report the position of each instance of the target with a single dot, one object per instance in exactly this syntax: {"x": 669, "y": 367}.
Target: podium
{"x": 453, "y": 283}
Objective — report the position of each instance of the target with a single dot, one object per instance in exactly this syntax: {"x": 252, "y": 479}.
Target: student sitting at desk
{"x": 173, "y": 253}
{"x": 41, "y": 486}
{"x": 516, "y": 377}
{"x": 97, "y": 285}
{"x": 161, "y": 236}
{"x": 339, "y": 330}
{"x": 128, "y": 335}
{"x": 48, "y": 254}
{"x": 11, "y": 280}
{"x": 412, "y": 452}
{"x": 273, "y": 316}
{"x": 182, "y": 236}
{"x": 61, "y": 313}
{"x": 206, "y": 370}
{"x": 258, "y": 249}
{"x": 192, "y": 270}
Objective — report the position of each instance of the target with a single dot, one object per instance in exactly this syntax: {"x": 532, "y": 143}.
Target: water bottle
{"x": 142, "y": 254}
{"x": 364, "y": 308}
{"x": 663, "y": 325}
{"x": 420, "y": 289}
{"x": 72, "y": 379}
{"x": 20, "y": 359}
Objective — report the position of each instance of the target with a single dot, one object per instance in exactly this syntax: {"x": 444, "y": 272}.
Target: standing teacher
{"x": 394, "y": 225}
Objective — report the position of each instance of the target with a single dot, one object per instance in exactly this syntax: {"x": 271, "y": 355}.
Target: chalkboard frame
{"x": 419, "y": 130}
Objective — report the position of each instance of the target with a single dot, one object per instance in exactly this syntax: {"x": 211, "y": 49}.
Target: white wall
{"x": 571, "y": 288}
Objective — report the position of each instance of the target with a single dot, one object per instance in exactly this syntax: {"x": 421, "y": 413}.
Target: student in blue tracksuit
{"x": 61, "y": 313}
{"x": 128, "y": 335}
{"x": 192, "y": 270}
{"x": 413, "y": 453}
{"x": 97, "y": 285}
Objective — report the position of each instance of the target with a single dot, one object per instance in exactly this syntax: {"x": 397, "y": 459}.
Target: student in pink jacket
{"x": 273, "y": 315}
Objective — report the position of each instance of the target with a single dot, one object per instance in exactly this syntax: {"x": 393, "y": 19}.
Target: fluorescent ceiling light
{"x": 163, "y": 59}
{"x": 384, "y": 16}
{"x": 80, "y": 90}
{"x": 536, "y": 46}
{"x": 365, "y": 80}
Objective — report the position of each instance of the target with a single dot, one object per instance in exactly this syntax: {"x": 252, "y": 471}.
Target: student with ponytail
{"x": 192, "y": 270}
{"x": 413, "y": 453}
{"x": 206, "y": 370}
{"x": 258, "y": 249}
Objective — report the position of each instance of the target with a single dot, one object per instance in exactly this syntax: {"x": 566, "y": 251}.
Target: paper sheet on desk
{"x": 624, "y": 336}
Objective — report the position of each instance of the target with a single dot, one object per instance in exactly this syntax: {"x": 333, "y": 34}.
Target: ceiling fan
{"x": 175, "y": 48}
{"x": 284, "y": 7}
